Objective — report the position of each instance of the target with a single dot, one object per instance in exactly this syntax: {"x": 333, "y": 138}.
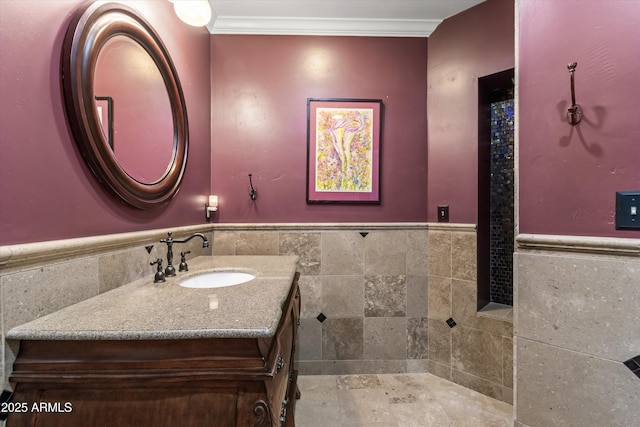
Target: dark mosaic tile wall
{"x": 502, "y": 200}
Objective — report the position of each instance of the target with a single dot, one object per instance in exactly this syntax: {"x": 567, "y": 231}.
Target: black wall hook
{"x": 574, "y": 112}
{"x": 253, "y": 193}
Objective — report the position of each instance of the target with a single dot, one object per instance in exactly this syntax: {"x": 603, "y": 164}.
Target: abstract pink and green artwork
{"x": 343, "y": 145}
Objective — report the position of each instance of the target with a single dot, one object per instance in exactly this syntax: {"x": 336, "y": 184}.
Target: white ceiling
{"x": 392, "y": 18}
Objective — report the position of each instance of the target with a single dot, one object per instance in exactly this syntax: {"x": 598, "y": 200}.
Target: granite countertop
{"x": 146, "y": 310}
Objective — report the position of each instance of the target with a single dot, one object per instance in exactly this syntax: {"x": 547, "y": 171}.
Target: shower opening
{"x": 496, "y": 188}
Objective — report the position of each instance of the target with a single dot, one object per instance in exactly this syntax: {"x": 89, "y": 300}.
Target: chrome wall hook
{"x": 253, "y": 193}
{"x": 574, "y": 112}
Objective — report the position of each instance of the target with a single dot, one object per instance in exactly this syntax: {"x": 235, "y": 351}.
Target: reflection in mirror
{"x": 104, "y": 105}
{"x": 142, "y": 124}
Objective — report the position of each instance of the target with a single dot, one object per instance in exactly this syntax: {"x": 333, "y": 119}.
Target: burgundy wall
{"x": 47, "y": 191}
{"x": 569, "y": 175}
{"x": 472, "y": 44}
{"x": 259, "y": 90}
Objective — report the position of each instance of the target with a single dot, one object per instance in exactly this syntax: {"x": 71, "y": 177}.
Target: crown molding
{"x": 323, "y": 26}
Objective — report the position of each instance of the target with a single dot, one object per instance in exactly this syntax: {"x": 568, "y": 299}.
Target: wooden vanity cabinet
{"x": 218, "y": 382}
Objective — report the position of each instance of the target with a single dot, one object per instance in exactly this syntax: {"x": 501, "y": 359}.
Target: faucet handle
{"x": 183, "y": 261}
{"x": 159, "y": 277}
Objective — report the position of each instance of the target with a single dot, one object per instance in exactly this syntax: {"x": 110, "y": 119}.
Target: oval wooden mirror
{"x": 94, "y": 27}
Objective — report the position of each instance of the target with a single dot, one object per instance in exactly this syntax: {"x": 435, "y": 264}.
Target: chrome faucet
{"x": 170, "y": 271}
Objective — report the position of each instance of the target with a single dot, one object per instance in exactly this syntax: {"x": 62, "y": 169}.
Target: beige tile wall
{"x": 372, "y": 290}
{"x": 478, "y": 351}
{"x": 577, "y": 320}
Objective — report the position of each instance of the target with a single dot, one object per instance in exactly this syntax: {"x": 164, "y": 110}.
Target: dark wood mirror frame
{"x": 90, "y": 28}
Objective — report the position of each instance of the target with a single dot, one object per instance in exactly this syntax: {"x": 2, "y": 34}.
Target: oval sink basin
{"x": 217, "y": 279}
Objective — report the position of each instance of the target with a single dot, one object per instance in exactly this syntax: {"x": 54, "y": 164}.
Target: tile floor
{"x": 395, "y": 400}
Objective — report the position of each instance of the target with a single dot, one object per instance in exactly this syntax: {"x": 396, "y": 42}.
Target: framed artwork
{"x": 104, "y": 105}
{"x": 343, "y": 150}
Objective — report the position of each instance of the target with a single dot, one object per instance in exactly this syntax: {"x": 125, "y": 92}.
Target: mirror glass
{"x": 124, "y": 104}
{"x": 140, "y": 127}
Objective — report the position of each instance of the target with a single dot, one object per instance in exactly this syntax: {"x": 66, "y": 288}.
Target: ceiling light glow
{"x": 193, "y": 12}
